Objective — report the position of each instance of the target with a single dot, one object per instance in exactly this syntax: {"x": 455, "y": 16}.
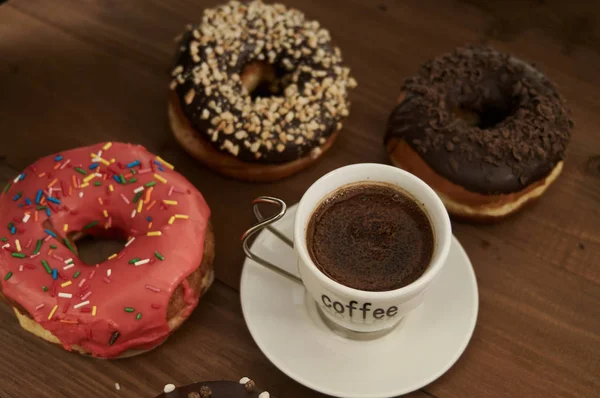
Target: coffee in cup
{"x": 370, "y": 236}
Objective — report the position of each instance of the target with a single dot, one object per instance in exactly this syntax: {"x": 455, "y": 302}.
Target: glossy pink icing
{"x": 146, "y": 288}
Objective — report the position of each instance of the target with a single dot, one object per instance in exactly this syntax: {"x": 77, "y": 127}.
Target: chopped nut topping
{"x": 189, "y": 97}
{"x": 314, "y": 95}
{"x": 205, "y": 392}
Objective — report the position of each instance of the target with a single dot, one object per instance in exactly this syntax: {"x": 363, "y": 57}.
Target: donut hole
{"x": 263, "y": 80}
{"x": 96, "y": 246}
{"x": 488, "y": 112}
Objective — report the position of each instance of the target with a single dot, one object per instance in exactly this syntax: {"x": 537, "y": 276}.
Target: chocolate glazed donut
{"x": 487, "y": 131}
{"x": 258, "y": 91}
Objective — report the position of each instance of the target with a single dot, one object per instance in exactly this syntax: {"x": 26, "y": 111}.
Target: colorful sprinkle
{"x": 111, "y": 188}
{"x": 169, "y": 165}
{"x": 112, "y": 256}
{"x": 182, "y": 216}
{"x": 88, "y": 178}
{"x": 151, "y": 205}
{"x": 52, "y": 311}
{"x": 134, "y": 260}
{"x": 58, "y": 158}
{"x": 172, "y": 220}
{"x": 7, "y": 276}
{"x": 17, "y": 196}
{"x": 82, "y": 304}
{"x": 130, "y": 241}
{"x": 18, "y": 255}
{"x": 97, "y": 183}
{"x": 80, "y": 170}
{"x": 40, "y": 306}
{"x": 137, "y": 196}
{"x": 133, "y": 213}
{"x": 94, "y": 166}
{"x": 65, "y": 295}
{"x": 170, "y": 202}
{"x": 18, "y": 245}
{"x": 38, "y": 197}
{"x": 91, "y": 224}
{"x": 153, "y": 288}
{"x": 94, "y": 311}
{"x": 52, "y": 234}
{"x": 76, "y": 275}
{"x": 141, "y": 262}
{"x": 129, "y": 309}
{"x": 6, "y": 187}
{"x": 45, "y": 288}
{"x": 69, "y": 246}
{"x": 105, "y": 213}
{"x": 53, "y": 200}
{"x": 67, "y": 283}
{"x": 113, "y": 338}
{"x": 54, "y": 273}
{"x": 140, "y": 204}
{"x": 154, "y": 233}
{"x": 160, "y": 178}
{"x": 133, "y": 164}
{"x": 138, "y": 316}
{"x": 97, "y": 158}
{"x": 150, "y": 184}
{"x": 107, "y": 146}
{"x": 159, "y": 256}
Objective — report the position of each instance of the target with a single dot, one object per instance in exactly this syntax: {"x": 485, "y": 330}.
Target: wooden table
{"x": 78, "y": 72}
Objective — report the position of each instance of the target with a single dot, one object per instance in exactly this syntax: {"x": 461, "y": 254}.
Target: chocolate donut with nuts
{"x": 258, "y": 91}
{"x": 486, "y": 130}
{"x": 245, "y": 388}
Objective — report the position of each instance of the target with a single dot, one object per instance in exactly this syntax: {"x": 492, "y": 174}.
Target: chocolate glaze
{"x": 522, "y": 132}
{"x": 297, "y": 63}
{"x": 370, "y": 237}
{"x": 218, "y": 389}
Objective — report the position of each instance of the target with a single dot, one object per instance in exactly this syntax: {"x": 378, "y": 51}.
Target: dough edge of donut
{"x": 495, "y": 208}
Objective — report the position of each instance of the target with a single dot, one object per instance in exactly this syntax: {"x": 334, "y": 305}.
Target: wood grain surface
{"x": 79, "y": 72}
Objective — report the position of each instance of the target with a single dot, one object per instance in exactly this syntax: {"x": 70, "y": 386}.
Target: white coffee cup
{"x": 359, "y": 310}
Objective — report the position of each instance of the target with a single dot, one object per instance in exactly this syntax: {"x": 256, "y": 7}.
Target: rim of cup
{"x": 440, "y": 229}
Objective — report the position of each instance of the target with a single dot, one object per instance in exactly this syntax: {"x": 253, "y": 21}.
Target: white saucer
{"x": 286, "y": 325}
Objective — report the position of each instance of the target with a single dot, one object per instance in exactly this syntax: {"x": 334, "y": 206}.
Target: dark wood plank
{"x": 75, "y": 73}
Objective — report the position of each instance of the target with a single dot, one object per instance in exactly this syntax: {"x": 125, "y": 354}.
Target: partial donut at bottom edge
{"x": 228, "y": 165}
{"x": 199, "y": 281}
{"x": 461, "y": 203}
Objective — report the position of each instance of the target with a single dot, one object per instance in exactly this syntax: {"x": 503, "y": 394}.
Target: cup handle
{"x": 266, "y": 223}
